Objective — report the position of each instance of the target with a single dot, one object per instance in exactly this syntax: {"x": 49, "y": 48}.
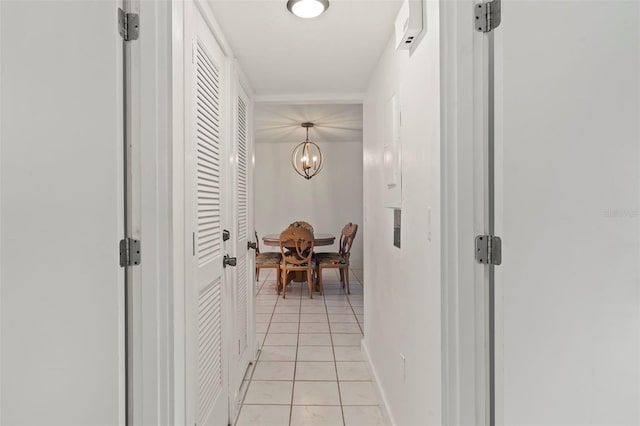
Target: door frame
{"x": 158, "y": 216}
{"x": 466, "y": 396}
{"x": 152, "y": 311}
{"x": 160, "y": 206}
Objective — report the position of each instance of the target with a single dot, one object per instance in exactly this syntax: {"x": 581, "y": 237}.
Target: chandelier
{"x": 307, "y": 158}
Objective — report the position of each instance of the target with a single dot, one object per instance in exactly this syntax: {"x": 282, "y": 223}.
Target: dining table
{"x": 319, "y": 239}
{"x": 273, "y": 240}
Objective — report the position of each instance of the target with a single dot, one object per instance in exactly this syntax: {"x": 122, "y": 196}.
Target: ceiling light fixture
{"x": 307, "y": 8}
{"x": 307, "y": 158}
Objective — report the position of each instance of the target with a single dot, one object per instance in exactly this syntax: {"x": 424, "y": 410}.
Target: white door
{"x": 568, "y": 200}
{"x": 242, "y": 348}
{"x": 207, "y": 361}
{"x": 62, "y": 196}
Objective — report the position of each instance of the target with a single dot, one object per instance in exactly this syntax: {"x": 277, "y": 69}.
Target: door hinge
{"x": 129, "y": 252}
{"x": 488, "y": 16}
{"x": 489, "y": 249}
{"x": 128, "y": 25}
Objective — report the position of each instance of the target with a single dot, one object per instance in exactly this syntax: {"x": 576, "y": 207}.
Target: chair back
{"x": 304, "y": 224}
{"x": 346, "y": 239}
{"x": 296, "y": 245}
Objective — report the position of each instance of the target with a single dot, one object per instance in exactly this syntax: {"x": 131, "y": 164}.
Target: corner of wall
{"x": 387, "y": 415}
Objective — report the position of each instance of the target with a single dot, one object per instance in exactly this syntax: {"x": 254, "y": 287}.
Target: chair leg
{"x": 257, "y": 274}
{"x": 346, "y": 279}
{"x": 342, "y": 277}
{"x": 284, "y": 283}
{"x": 310, "y": 282}
{"x": 277, "y": 280}
{"x": 320, "y": 280}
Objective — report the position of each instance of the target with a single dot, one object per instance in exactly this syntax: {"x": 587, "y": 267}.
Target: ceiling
{"x": 332, "y": 123}
{"x": 282, "y": 54}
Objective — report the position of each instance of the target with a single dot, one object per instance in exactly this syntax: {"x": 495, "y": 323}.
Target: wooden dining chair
{"x": 304, "y": 224}
{"x": 268, "y": 260}
{"x": 340, "y": 259}
{"x": 296, "y": 247}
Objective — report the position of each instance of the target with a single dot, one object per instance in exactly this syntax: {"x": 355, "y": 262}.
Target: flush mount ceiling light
{"x": 307, "y": 158}
{"x": 307, "y": 8}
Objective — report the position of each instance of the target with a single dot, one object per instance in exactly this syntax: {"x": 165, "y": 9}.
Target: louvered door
{"x": 243, "y": 319}
{"x": 206, "y": 379}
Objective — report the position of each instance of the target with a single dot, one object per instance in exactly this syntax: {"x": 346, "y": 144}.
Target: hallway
{"x": 310, "y": 369}
{"x": 493, "y": 170}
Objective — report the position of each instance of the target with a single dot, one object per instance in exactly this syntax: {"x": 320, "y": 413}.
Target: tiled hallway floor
{"x": 310, "y": 370}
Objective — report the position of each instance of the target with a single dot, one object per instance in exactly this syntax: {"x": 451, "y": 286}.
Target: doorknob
{"x": 231, "y": 261}
{"x": 251, "y": 245}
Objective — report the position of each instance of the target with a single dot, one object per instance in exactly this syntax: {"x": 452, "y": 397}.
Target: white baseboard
{"x": 384, "y": 404}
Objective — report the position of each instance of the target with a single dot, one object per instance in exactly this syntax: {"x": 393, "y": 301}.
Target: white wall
{"x": 327, "y": 201}
{"x": 402, "y": 295}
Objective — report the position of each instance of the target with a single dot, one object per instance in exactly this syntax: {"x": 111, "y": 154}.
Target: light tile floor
{"x": 310, "y": 369}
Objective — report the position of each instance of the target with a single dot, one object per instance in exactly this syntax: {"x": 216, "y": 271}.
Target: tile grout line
{"x": 358, "y": 278}
{"x": 335, "y": 364}
{"x": 250, "y": 381}
{"x": 263, "y": 282}
{"x": 354, "y": 312}
{"x": 295, "y": 361}
{"x": 300, "y": 313}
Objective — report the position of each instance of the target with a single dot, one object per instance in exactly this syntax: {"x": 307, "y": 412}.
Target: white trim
{"x": 122, "y": 336}
{"x": 120, "y": 346}
{"x": 450, "y": 262}
{"x": 229, "y": 222}
{"x": 122, "y": 306}
{"x": 243, "y": 80}
{"x": 382, "y": 397}
{"x": 151, "y": 203}
{"x": 465, "y": 365}
{"x": 215, "y": 28}
{"x": 177, "y": 222}
{"x": 498, "y": 306}
{"x": 311, "y": 98}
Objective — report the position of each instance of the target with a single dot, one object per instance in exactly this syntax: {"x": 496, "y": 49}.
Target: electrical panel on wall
{"x": 392, "y": 154}
{"x": 410, "y": 24}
